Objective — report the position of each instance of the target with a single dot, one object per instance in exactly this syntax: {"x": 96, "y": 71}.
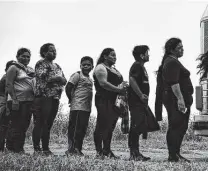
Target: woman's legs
{"x": 20, "y": 121}
{"x": 51, "y": 112}
{"x": 106, "y": 122}
{"x": 177, "y": 126}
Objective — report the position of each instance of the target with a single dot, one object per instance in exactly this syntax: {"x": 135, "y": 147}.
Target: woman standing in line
{"x": 106, "y": 80}
{"x": 20, "y": 81}
{"x": 176, "y": 89}
{"x": 50, "y": 81}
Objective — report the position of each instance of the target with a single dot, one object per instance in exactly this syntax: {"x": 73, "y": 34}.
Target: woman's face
{"x": 24, "y": 58}
{"x": 178, "y": 51}
{"x": 51, "y": 54}
{"x": 111, "y": 58}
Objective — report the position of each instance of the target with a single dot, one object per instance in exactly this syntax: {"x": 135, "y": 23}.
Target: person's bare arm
{"x": 101, "y": 74}
{"x": 10, "y": 77}
{"x": 177, "y": 92}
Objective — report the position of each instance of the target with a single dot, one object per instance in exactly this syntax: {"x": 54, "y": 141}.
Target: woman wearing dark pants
{"x": 45, "y": 111}
{"x": 20, "y": 121}
{"x": 178, "y": 123}
{"x": 20, "y": 88}
{"x": 106, "y": 122}
{"x": 49, "y": 85}
{"x": 107, "y": 79}
{"x": 176, "y": 89}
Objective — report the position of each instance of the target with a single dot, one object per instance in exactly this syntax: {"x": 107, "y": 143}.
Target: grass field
{"x": 195, "y": 148}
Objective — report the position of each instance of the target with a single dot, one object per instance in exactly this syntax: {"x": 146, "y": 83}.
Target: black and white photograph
{"x": 103, "y": 85}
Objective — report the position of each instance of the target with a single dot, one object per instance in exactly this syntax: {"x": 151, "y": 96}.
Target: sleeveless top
{"x": 113, "y": 78}
{"x": 24, "y": 86}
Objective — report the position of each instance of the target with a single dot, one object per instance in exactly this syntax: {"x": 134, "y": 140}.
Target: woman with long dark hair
{"x": 174, "y": 90}
{"x": 107, "y": 80}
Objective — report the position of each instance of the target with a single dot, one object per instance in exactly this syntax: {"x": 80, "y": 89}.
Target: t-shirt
{"x": 44, "y": 70}
{"x": 82, "y": 95}
{"x": 139, "y": 73}
{"x": 174, "y": 72}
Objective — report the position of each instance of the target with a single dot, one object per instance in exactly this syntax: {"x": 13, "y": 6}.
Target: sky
{"x": 85, "y": 27}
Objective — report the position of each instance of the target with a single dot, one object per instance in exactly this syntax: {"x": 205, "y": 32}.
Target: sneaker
{"x": 110, "y": 154}
{"x": 137, "y": 156}
{"x": 22, "y": 152}
{"x": 78, "y": 152}
{"x": 141, "y": 157}
{"x": 133, "y": 155}
{"x": 181, "y": 158}
{"x": 48, "y": 153}
{"x": 173, "y": 158}
{"x": 69, "y": 152}
{"x": 99, "y": 155}
{"x": 37, "y": 151}
{"x": 6, "y": 150}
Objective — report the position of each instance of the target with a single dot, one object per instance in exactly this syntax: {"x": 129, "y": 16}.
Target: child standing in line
{"x": 79, "y": 93}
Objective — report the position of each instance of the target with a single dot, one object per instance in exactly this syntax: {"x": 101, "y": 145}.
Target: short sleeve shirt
{"x": 174, "y": 72}
{"x": 44, "y": 71}
{"x": 139, "y": 73}
{"x": 82, "y": 94}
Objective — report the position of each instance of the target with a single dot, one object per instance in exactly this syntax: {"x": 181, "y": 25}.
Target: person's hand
{"x": 15, "y": 104}
{"x": 54, "y": 79}
{"x": 181, "y": 105}
{"x": 69, "y": 102}
{"x": 125, "y": 84}
{"x": 123, "y": 88}
{"x": 160, "y": 123}
{"x": 144, "y": 99}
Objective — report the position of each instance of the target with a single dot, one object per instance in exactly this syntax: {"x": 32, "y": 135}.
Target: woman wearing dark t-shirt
{"x": 107, "y": 79}
{"x": 177, "y": 96}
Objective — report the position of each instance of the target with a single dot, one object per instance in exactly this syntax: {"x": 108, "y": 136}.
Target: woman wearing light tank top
{"x": 20, "y": 81}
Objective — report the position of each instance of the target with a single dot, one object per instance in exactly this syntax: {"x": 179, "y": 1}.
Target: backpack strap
{"x": 72, "y": 90}
{"x": 75, "y": 86}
